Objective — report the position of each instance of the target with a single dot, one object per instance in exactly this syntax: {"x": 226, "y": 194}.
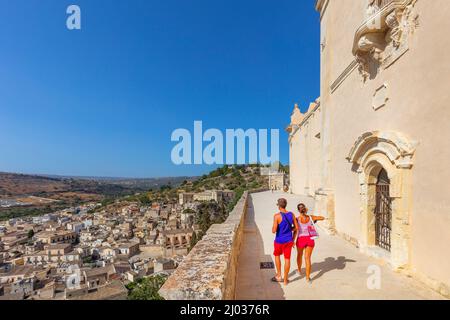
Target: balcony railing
{"x": 208, "y": 272}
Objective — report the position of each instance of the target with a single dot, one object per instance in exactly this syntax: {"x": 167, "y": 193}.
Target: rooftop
{"x": 54, "y": 233}
{"x": 99, "y": 271}
{"x": 113, "y": 291}
{"x": 178, "y": 231}
{"x": 58, "y": 246}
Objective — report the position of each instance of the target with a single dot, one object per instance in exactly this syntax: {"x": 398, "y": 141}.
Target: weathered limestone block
{"x": 209, "y": 271}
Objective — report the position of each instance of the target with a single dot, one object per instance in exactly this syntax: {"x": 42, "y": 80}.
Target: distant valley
{"x": 23, "y": 194}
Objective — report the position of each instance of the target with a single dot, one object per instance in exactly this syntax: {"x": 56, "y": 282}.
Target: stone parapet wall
{"x": 208, "y": 272}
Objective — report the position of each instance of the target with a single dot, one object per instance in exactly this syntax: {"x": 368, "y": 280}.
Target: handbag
{"x": 312, "y": 229}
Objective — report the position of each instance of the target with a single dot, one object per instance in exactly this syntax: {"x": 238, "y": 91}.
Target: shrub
{"x": 146, "y": 288}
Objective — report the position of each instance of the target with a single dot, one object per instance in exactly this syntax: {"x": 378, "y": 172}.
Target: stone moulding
{"x": 208, "y": 272}
{"x": 380, "y": 97}
{"x": 321, "y": 6}
{"x": 339, "y": 80}
{"x": 394, "y": 145}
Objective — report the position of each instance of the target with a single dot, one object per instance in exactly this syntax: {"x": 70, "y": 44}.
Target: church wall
{"x": 305, "y": 155}
{"x": 297, "y": 168}
{"x": 417, "y": 89}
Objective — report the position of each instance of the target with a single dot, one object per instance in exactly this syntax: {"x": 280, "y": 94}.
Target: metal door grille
{"x": 383, "y": 213}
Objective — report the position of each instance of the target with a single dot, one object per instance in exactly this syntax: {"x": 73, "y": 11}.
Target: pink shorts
{"x": 303, "y": 242}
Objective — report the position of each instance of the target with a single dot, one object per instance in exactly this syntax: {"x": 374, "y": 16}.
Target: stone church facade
{"x": 374, "y": 149}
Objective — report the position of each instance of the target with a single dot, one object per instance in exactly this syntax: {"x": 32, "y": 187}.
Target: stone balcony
{"x": 226, "y": 263}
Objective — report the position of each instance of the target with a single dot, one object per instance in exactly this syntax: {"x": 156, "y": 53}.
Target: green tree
{"x": 165, "y": 187}
{"x": 145, "y": 199}
{"x": 30, "y": 234}
{"x": 146, "y": 288}
{"x": 237, "y": 195}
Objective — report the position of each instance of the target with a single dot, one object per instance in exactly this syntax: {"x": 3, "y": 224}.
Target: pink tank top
{"x": 304, "y": 228}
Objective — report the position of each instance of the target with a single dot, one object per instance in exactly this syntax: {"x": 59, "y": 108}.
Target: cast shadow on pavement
{"x": 329, "y": 264}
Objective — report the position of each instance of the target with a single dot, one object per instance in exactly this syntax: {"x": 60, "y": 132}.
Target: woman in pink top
{"x": 304, "y": 241}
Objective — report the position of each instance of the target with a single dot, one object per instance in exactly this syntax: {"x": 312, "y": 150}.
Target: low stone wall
{"x": 208, "y": 272}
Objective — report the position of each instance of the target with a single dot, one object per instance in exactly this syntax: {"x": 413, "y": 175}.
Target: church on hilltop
{"x": 374, "y": 149}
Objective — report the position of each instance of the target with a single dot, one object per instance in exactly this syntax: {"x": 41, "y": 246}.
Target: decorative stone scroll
{"x": 384, "y": 36}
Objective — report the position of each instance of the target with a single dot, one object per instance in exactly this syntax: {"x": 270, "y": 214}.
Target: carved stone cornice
{"x": 383, "y": 37}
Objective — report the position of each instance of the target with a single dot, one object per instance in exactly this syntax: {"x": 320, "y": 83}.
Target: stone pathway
{"x": 339, "y": 270}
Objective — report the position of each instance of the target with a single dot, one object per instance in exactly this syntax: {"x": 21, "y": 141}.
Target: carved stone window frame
{"x": 393, "y": 152}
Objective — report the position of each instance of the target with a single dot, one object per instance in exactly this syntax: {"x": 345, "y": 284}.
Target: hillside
{"x": 229, "y": 177}
{"x": 23, "y": 195}
{"x": 29, "y": 195}
{"x": 237, "y": 178}
{"x": 14, "y": 185}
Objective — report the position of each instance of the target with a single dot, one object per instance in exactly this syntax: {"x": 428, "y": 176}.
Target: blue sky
{"x": 104, "y": 100}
